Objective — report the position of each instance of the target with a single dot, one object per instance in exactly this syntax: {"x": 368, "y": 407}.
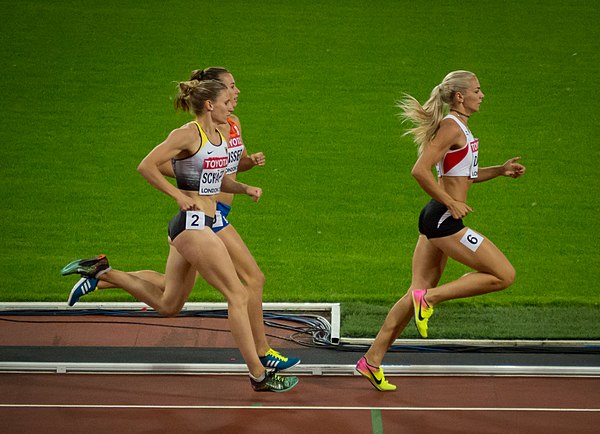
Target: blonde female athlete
{"x": 447, "y": 143}
{"x": 245, "y": 265}
{"x": 200, "y": 157}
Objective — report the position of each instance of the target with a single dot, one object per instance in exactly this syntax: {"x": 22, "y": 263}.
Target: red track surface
{"x": 94, "y": 403}
{"x": 131, "y": 404}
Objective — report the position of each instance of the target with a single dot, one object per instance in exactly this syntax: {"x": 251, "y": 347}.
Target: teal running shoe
{"x": 92, "y": 267}
{"x": 274, "y": 360}
{"x": 274, "y": 383}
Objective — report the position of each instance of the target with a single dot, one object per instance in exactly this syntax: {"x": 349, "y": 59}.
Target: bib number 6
{"x": 472, "y": 240}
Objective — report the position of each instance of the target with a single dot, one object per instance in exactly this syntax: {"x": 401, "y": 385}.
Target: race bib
{"x": 474, "y": 169}
{"x": 194, "y": 220}
{"x": 235, "y": 148}
{"x": 212, "y": 175}
{"x": 472, "y": 240}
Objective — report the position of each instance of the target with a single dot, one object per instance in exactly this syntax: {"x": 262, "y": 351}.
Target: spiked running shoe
{"x": 92, "y": 267}
{"x": 374, "y": 375}
{"x": 84, "y": 286}
{"x": 274, "y": 383}
{"x": 422, "y": 311}
{"x": 274, "y": 360}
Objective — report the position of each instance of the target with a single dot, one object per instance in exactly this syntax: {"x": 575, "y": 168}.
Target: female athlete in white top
{"x": 199, "y": 152}
{"x": 246, "y": 267}
{"x": 446, "y": 143}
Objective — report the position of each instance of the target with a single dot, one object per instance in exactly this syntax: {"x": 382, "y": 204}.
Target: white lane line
{"x": 291, "y": 407}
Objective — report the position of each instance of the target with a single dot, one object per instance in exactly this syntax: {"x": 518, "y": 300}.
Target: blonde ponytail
{"x": 427, "y": 117}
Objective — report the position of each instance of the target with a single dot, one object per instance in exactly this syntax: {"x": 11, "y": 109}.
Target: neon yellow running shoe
{"x": 422, "y": 311}
{"x": 374, "y": 375}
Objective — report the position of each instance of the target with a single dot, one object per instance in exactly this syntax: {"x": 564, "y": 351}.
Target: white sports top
{"x": 204, "y": 170}
{"x": 463, "y": 161}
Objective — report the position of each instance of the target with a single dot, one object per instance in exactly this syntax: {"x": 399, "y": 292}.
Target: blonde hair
{"x": 427, "y": 117}
{"x": 192, "y": 94}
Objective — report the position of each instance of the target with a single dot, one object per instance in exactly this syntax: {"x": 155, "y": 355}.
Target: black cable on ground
{"x": 307, "y": 330}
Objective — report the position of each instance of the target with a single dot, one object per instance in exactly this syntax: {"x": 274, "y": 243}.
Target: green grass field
{"x": 87, "y": 91}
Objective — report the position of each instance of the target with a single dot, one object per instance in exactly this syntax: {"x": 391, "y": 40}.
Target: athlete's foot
{"x": 84, "y": 286}
{"x": 274, "y": 360}
{"x": 92, "y": 267}
{"x": 374, "y": 375}
{"x": 274, "y": 383}
{"x": 422, "y": 311}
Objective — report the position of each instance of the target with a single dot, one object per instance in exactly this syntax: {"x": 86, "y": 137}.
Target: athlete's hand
{"x": 186, "y": 203}
{"x": 512, "y": 168}
{"x": 258, "y": 159}
{"x": 459, "y": 209}
{"x": 254, "y": 192}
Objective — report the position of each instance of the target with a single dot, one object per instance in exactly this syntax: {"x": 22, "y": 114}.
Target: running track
{"x": 205, "y": 403}
{"x": 98, "y": 403}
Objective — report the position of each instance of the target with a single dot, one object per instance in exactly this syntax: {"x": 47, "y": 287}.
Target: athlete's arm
{"x": 229, "y": 185}
{"x": 510, "y": 168}
{"x": 167, "y": 169}
{"x": 448, "y": 135}
{"x": 247, "y": 162}
{"x": 180, "y": 141}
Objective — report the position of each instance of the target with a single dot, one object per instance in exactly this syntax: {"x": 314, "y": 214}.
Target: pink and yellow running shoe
{"x": 422, "y": 311}
{"x": 374, "y": 375}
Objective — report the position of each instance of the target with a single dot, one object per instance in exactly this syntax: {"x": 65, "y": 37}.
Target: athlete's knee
{"x": 505, "y": 277}
{"x": 238, "y": 299}
{"x": 256, "y": 282}
{"x": 509, "y": 276}
{"x": 170, "y": 311}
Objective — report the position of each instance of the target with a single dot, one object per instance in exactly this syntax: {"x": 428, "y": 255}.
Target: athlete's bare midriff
{"x": 456, "y": 186}
{"x": 206, "y": 204}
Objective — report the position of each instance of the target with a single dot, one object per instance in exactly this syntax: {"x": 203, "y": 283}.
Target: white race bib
{"x": 194, "y": 220}
{"x": 472, "y": 240}
{"x": 212, "y": 175}
{"x": 474, "y": 169}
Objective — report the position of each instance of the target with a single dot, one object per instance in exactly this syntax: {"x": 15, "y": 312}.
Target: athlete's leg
{"x": 493, "y": 271}
{"x": 156, "y": 278}
{"x": 253, "y": 280}
{"x": 168, "y": 300}
{"x": 207, "y": 253}
{"x": 428, "y": 264}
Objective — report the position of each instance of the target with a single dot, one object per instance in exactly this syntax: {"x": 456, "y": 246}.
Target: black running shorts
{"x": 183, "y": 221}
{"x": 436, "y": 221}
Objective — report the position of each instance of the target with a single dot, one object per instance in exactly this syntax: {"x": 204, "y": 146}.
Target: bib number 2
{"x": 194, "y": 220}
{"x": 472, "y": 240}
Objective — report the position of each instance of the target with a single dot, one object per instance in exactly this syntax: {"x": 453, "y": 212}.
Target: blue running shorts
{"x": 221, "y": 214}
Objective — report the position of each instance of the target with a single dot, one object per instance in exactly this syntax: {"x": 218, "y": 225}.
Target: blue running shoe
{"x": 274, "y": 360}
{"x": 84, "y": 286}
{"x": 92, "y": 267}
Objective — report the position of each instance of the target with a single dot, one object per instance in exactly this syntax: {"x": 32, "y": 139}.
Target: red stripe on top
{"x": 451, "y": 159}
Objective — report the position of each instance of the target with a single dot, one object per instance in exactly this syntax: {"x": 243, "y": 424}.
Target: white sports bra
{"x": 204, "y": 170}
{"x": 463, "y": 161}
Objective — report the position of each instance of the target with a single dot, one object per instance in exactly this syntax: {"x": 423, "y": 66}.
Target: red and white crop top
{"x": 463, "y": 161}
